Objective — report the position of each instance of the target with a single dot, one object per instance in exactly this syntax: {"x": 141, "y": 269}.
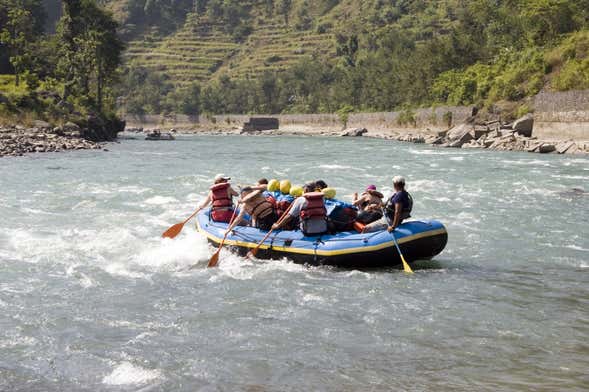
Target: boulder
{"x": 524, "y": 125}
{"x": 472, "y": 144}
{"x": 563, "y": 147}
{"x": 546, "y": 148}
{"x": 41, "y": 124}
{"x": 458, "y": 131}
{"x": 354, "y": 132}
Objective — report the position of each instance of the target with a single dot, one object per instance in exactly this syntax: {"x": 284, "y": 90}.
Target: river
{"x": 92, "y": 298}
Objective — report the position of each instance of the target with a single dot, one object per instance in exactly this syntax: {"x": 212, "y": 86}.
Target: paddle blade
{"x": 406, "y": 266}
{"x": 214, "y": 259}
{"x": 173, "y": 231}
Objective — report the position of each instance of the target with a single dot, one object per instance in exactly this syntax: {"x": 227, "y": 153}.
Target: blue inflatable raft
{"x": 417, "y": 240}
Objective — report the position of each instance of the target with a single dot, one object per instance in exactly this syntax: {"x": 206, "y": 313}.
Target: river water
{"x": 91, "y": 298}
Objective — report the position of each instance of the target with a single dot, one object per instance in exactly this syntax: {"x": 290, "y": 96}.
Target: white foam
{"x": 128, "y": 374}
{"x": 335, "y": 167}
{"x": 159, "y": 200}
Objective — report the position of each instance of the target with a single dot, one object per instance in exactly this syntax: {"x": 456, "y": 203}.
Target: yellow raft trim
{"x": 319, "y": 252}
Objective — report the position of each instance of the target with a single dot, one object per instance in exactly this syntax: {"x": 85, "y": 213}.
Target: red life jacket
{"x": 315, "y": 208}
{"x": 222, "y": 203}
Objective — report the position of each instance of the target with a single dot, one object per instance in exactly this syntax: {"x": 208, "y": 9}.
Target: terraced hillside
{"x": 201, "y": 50}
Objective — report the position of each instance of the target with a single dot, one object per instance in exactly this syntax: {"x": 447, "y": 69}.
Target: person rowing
{"x": 220, "y": 196}
{"x": 397, "y": 208}
{"x": 258, "y": 207}
{"x": 370, "y": 204}
{"x": 309, "y": 211}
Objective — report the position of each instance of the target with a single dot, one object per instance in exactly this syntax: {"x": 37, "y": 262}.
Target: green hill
{"x": 269, "y": 56}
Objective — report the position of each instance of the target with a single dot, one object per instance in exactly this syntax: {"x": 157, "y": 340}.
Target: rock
{"x": 524, "y": 125}
{"x": 3, "y": 99}
{"x": 479, "y": 132}
{"x": 563, "y": 147}
{"x": 71, "y": 127}
{"x": 354, "y": 132}
{"x": 546, "y": 148}
{"x": 442, "y": 134}
{"x": 438, "y": 140}
{"x": 458, "y": 131}
{"x": 472, "y": 144}
{"x": 41, "y": 124}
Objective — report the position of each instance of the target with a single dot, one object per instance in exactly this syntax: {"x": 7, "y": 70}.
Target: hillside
{"x": 285, "y": 56}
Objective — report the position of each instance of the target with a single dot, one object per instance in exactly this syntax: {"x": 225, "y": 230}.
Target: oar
{"x": 173, "y": 231}
{"x": 215, "y": 257}
{"x": 253, "y": 252}
{"x": 406, "y": 266}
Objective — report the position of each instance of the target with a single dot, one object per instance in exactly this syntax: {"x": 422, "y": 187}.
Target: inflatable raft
{"x": 417, "y": 240}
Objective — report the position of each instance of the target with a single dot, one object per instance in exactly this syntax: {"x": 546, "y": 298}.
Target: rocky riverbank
{"x": 19, "y": 140}
{"x": 475, "y": 133}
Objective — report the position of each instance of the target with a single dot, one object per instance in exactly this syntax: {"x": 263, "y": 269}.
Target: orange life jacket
{"x": 315, "y": 208}
{"x": 222, "y": 202}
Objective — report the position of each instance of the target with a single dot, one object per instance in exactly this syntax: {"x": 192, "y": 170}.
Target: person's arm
{"x": 232, "y": 192}
{"x": 282, "y": 223}
{"x": 236, "y": 221}
{"x": 397, "y": 218}
{"x": 205, "y": 202}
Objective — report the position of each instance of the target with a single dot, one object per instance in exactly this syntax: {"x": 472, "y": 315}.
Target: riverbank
{"x": 492, "y": 135}
{"x": 19, "y": 140}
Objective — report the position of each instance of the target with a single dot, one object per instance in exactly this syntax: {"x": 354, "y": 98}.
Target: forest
{"x": 374, "y": 55}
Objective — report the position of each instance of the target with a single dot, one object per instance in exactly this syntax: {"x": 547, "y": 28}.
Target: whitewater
{"x": 92, "y": 298}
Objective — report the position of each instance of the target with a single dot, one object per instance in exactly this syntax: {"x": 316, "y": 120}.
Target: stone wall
{"x": 558, "y": 116}
{"x": 562, "y": 115}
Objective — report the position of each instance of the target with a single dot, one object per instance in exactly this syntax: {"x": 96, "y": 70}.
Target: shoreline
{"x": 471, "y": 135}
{"x": 17, "y": 140}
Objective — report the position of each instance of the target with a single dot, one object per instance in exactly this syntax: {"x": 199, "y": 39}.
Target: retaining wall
{"x": 558, "y": 116}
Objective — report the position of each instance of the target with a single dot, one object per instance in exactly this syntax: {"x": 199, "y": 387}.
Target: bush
{"x": 407, "y": 117}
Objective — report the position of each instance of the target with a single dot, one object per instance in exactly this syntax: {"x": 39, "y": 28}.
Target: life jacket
{"x": 258, "y": 207}
{"x": 222, "y": 209}
{"x": 313, "y": 215}
{"x": 405, "y": 212}
{"x": 282, "y": 204}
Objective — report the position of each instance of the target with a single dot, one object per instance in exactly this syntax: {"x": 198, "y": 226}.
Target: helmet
{"x": 285, "y": 187}
{"x": 296, "y": 191}
{"x": 273, "y": 185}
{"x": 329, "y": 193}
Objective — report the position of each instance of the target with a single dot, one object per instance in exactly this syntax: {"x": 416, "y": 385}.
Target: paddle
{"x": 173, "y": 231}
{"x": 253, "y": 252}
{"x": 215, "y": 257}
{"x": 406, "y": 266}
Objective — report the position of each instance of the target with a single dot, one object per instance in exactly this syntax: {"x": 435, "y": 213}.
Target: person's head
{"x": 220, "y": 178}
{"x": 285, "y": 187}
{"x": 296, "y": 191}
{"x": 370, "y": 188}
{"x": 329, "y": 193}
{"x": 273, "y": 185}
{"x": 399, "y": 183}
{"x": 263, "y": 181}
{"x": 309, "y": 187}
{"x": 246, "y": 190}
{"x": 320, "y": 185}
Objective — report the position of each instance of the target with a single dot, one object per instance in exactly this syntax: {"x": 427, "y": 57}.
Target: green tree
{"x": 17, "y": 35}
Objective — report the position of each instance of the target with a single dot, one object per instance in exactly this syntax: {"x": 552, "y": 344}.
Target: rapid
{"x": 92, "y": 298}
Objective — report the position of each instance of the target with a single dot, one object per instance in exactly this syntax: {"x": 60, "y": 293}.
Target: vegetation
{"x": 58, "y": 76}
{"x": 320, "y": 56}
{"x": 286, "y": 56}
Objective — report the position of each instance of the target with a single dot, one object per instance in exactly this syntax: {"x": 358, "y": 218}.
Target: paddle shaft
{"x": 406, "y": 266}
{"x": 215, "y": 258}
{"x": 282, "y": 218}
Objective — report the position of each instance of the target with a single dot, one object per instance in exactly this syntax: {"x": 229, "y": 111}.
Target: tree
{"x": 17, "y": 35}
{"x": 90, "y": 52}
{"x": 284, "y": 7}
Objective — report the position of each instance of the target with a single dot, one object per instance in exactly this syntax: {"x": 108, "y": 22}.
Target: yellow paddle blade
{"x": 406, "y": 266}
{"x": 173, "y": 231}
